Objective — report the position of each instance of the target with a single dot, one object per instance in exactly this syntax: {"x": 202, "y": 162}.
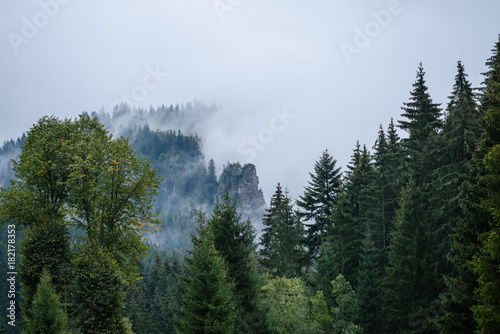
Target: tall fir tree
{"x": 456, "y": 145}
{"x": 368, "y": 291}
{"x": 281, "y": 241}
{"x": 354, "y": 212}
{"x": 327, "y": 269}
{"x": 46, "y": 247}
{"x": 233, "y": 240}
{"x": 388, "y": 164}
{"x": 211, "y": 182}
{"x": 421, "y": 121}
{"x": 47, "y": 314}
{"x": 487, "y": 260}
{"x": 403, "y": 284}
{"x": 207, "y": 303}
{"x": 98, "y": 293}
{"x": 318, "y": 203}
{"x": 411, "y": 283}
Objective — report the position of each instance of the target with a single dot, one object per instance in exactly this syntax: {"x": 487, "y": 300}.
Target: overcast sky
{"x": 293, "y": 77}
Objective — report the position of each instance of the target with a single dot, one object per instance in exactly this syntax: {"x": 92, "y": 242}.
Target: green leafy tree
{"x": 344, "y": 309}
{"x": 47, "y": 315}
{"x": 36, "y": 201}
{"x": 38, "y": 194}
{"x": 282, "y": 236}
{"x": 111, "y": 193}
{"x": 319, "y": 201}
{"x": 320, "y": 316}
{"x": 288, "y": 309}
{"x": 207, "y": 304}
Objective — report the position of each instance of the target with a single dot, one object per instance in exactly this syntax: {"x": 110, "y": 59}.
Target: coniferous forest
{"x": 136, "y": 233}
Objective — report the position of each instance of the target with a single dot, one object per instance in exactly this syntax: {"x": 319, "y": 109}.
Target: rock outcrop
{"x": 242, "y": 183}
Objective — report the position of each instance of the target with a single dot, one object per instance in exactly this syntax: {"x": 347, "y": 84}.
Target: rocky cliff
{"x": 242, "y": 184}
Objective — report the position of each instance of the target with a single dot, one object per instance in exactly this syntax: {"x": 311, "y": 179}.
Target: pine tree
{"x": 421, "y": 122}
{"x": 327, "y": 270}
{"x": 354, "y": 212}
{"x": 282, "y": 236}
{"x": 44, "y": 247}
{"x": 211, "y": 182}
{"x": 233, "y": 240}
{"x": 139, "y": 310}
{"x": 404, "y": 283}
{"x": 388, "y": 162}
{"x": 487, "y": 261}
{"x": 47, "y": 315}
{"x": 169, "y": 290}
{"x": 319, "y": 201}
{"x": 98, "y": 292}
{"x": 158, "y": 298}
{"x": 457, "y": 143}
{"x": 412, "y": 281}
{"x": 368, "y": 292}
{"x": 207, "y": 304}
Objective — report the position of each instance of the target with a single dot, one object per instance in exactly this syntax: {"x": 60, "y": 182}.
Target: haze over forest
{"x": 251, "y": 59}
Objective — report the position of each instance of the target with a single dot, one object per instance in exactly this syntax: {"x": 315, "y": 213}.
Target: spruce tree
{"x": 327, "y": 269}
{"x": 354, "y": 212}
{"x": 319, "y": 202}
{"x": 47, "y": 315}
{"x": 404, "y": 282}
{"x": 421, "y": 121}
{"x": 487, "y": 260}
{"x": 233, "y": 240}
{"x": 211, "y": 182}
{"x": 44, "y": 247}
{"x": 282, "y": 236}
{"x": 158, "y": 297}
{"x": 207, "y": 304}
{"x": 98, "y": 293}
{"x": 388, "y": 163}
{"x": 456, "y": 146}
{"x": 368, "y": 291}
{"x": 412, "y": 276}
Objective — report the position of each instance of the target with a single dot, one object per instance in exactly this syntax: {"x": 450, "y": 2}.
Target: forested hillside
{"x": 404, "y": 240}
